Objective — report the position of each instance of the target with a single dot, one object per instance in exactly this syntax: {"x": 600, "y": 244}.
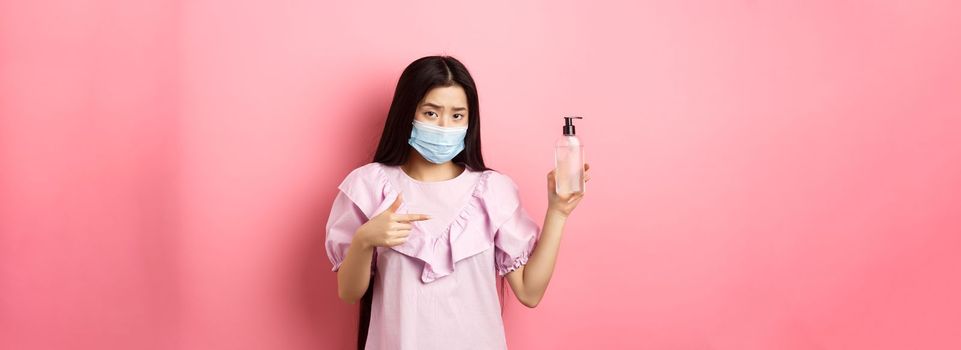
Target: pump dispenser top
{"x": 569, "y": 125}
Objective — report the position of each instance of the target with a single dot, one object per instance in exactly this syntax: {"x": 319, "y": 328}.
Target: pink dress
{"x": 438, "y": 290}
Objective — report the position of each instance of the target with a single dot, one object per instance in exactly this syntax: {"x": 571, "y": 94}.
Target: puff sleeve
{"x": 358, "y": 195}
{"x": 345, "y": 217}
{"x": 516, "y": 233}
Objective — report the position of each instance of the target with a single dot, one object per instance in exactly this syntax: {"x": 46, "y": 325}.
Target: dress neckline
{"x": 462, "y": 175}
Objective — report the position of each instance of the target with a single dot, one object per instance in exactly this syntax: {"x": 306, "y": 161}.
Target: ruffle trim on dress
{"x": 518, "y": 262}
{"x": 442, "y": 251}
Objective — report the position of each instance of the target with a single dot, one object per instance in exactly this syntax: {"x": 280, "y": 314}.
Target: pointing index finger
{"x": 412, "y": 217}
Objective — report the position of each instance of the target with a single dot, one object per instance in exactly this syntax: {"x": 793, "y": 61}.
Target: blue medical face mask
{"x": 436, "y": 143}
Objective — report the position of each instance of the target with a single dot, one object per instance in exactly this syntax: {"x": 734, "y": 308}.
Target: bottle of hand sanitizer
{"x": 569, "y": 160}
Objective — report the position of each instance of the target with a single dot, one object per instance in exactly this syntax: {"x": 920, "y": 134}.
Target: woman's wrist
{"x": 360, "y": 242}
{"x": 554, "y": 213}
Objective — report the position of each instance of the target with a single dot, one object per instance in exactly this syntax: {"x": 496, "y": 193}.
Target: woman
{"x": 419, "y": 233}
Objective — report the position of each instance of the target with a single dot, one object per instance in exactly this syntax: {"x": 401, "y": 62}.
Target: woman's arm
{"x": 353, "y": 277}
{"x": 529, "y": 282}
{"x": 387, "y": 229}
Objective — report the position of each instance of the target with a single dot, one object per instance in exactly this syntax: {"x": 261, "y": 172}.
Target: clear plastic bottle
{"x": 569, "y": 160}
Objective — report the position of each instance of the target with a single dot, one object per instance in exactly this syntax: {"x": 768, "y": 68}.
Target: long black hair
{"x": 415, "y": 82}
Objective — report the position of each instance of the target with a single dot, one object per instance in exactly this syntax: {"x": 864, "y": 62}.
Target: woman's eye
{"x": 428, "y": 113}
{"x": 459, "y": 116}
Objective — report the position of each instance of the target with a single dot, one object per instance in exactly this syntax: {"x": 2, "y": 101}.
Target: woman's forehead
{"x": 452, "y": 97}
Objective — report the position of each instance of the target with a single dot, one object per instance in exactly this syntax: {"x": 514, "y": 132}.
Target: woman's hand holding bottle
{"x": 563, "y": 204}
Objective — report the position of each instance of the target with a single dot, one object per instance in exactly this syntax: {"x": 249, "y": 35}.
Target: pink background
{"x": 766, "y": 175}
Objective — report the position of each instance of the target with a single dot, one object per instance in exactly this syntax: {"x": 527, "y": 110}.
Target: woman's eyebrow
{"x": 428, "y": 104}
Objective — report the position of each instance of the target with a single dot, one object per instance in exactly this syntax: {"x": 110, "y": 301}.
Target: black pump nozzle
{"x": 569, "y": 125}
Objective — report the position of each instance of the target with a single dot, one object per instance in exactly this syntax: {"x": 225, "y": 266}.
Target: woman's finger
{"x": 395, "y": 241}
{"x": 410, "y": 217}
{"x": 397, "y": 226}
